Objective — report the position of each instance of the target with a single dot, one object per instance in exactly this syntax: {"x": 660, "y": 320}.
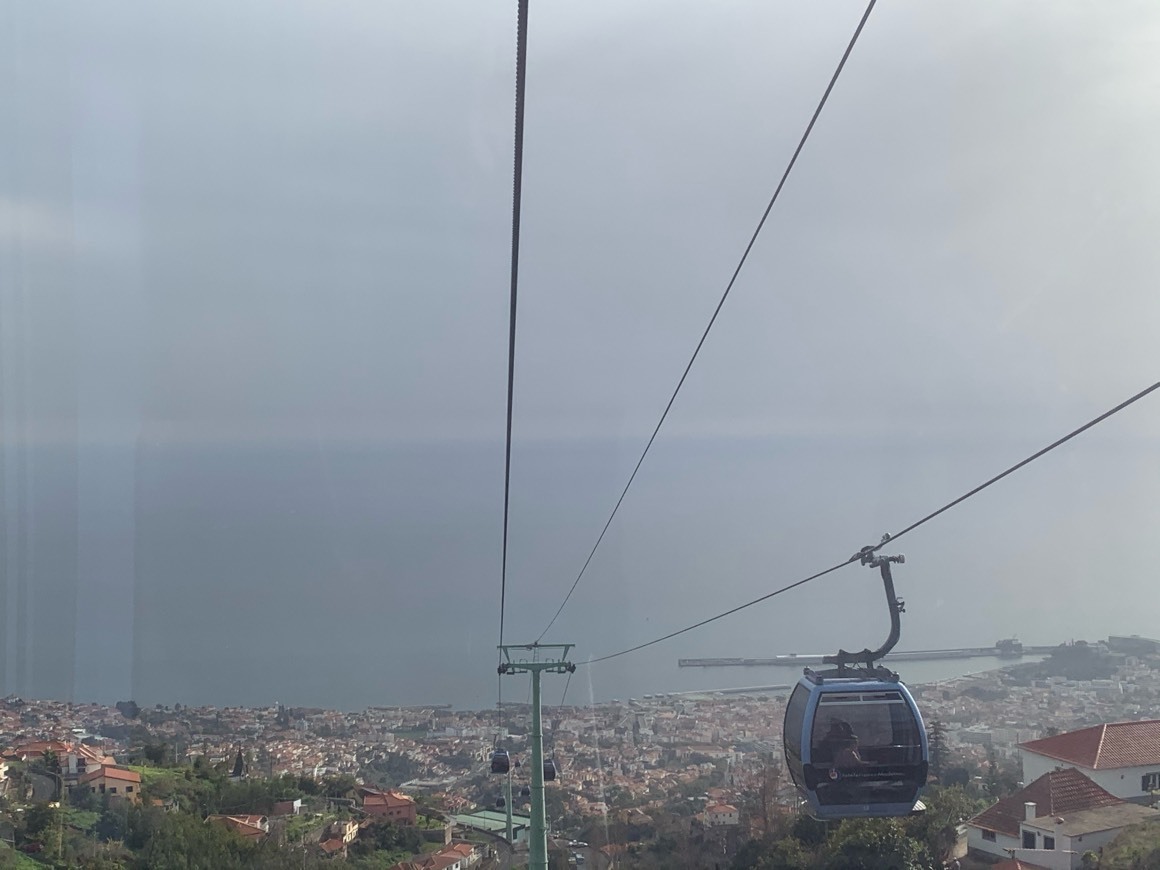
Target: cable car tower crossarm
{"x": 517, "y": 660}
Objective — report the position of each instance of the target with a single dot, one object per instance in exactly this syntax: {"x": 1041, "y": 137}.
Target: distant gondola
{"x": 855, "y": 745}
{"x": 500, "y": 763}
{"x": 550, "y": 770}
{"x": 525, "y": 792}
{"x": 500, "y": 803}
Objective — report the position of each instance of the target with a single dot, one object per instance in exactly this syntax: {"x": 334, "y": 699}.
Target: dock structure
{"x": 1007, "y": 649}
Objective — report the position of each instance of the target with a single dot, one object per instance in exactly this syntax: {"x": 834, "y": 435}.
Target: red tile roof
{"x": 392, "y": 799}
{"x": 247, "y": 826}
{"x": 110, "y": 773}
{"x": 1119, "y": 744}
{"x": 1057, "y": 793}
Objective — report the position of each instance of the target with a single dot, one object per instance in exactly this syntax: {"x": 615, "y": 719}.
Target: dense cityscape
{"x": 674, "y": 780}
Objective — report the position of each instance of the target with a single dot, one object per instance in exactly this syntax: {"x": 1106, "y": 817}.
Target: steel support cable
{"x": 1089, "y": 424}
{"x": 717, "y": 310}
{"x": 890, "y": 539}
{"x": 517, "y": 189}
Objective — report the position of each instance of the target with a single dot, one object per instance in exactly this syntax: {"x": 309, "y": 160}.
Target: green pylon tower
{"x": 521, "y": 658}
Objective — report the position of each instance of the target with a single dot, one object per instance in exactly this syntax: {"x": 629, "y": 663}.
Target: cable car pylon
{"x": 517, "y": 660}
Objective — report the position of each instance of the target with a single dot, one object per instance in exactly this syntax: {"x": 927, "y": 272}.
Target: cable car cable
{"x": 891, "y": 538}
{"x": 717, "y": 310}
{"x": 730, "y": 612}
{"x": 1019, "y": 465}
{"x": 517, "y": 189}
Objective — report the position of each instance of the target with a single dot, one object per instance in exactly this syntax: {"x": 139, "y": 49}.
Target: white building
{"x": 1083, "y": 831}
{"x": 1122, "y": 757}
{"x": 721, "y": 815}
{"x": 1061, "y": 812}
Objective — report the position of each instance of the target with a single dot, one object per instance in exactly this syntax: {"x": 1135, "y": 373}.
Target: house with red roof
{"x": 1123, "y": 758}
{"x": 721, "y": 815}
{"x": 112, "y": 781}
{"x": 395, "y": 807}
{"x": 458, "y": 856}
{"x": 250, "y": 827}
{"x": 75, "y": 759}
{"x": 1054, "y": 821}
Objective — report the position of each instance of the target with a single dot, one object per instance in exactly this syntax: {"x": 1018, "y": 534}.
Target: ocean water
{"x": 629, "y": 683}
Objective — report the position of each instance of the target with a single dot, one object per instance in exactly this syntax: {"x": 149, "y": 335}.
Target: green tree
{"x": 991, "y": 774}
{"x": 937, "y": 828}
{"x": 1135, "y": 848}
{"x": 338, "y": 785}
{"x": 809, "y": 831}
{"x": 128, "y": 709}
{"x": 873, "y": 844}
{"x": 786, "y": 853}
{"x": 184, "y": 842}
{"x": 937, "y": 738}
{"x": 38, "y": 820}
{"x": 156, "y": 753}
{"x": 384, "y": 836}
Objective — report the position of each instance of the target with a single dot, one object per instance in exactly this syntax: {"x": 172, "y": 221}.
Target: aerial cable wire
{"x": 1089, "y": 424}
{"x": 517, "y": 188}
{"x": 890, "y": 538}
{"x": 717, "y": 310}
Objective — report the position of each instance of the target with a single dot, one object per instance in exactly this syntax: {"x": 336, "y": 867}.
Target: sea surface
{"x": 629, "y": 684}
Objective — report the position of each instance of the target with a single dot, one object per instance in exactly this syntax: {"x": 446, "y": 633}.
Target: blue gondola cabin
{"x": 855, "y": 747}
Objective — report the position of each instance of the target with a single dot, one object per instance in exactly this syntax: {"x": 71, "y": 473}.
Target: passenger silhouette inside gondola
{"x": 839, "y": 746}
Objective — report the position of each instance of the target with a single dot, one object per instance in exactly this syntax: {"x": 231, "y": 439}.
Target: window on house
{"x": 989, "y": 836}
{"x": 112, "y": 789}
{"x": 1048, "y": 842}
{"x": 128, "y": 789}
{"x": 1150, "y": 781}
{"x": 1028, "y": 839}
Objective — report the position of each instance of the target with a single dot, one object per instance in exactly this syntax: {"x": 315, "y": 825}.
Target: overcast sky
{"x": 253, "y": 327}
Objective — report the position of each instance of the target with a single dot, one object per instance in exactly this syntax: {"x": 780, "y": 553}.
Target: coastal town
{"x": 704, "y": 757}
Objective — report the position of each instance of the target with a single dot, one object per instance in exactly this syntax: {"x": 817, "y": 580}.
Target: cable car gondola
{"x": 500, "y": 803}
{"x": 500, "y": 763}
{"x": 855, "y": 744}
{"x": 525, "y": 792}
{"x": 550, "y": 770}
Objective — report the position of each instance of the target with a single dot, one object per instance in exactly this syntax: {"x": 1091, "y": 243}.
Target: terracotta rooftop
{"x": 247, "y": 826}
{"x": 110, "y": 773}
{"x": 385, "y": 799}
{"x": 1119, "y": 744}
{"x": 1057, "y": 793}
